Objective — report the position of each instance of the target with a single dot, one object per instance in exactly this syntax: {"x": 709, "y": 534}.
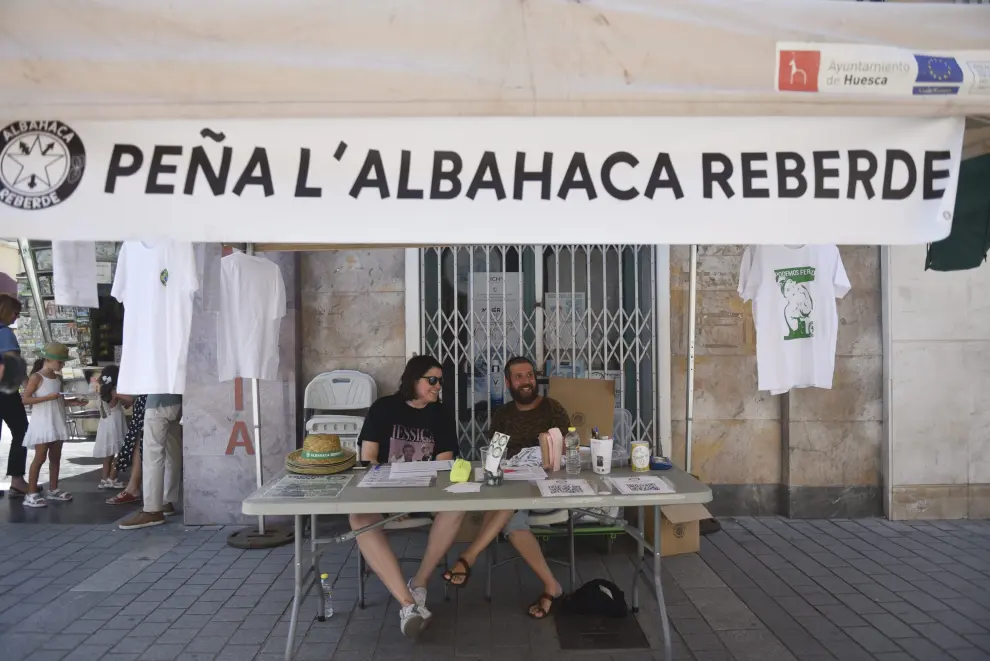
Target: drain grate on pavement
{"x": 585, "y": 632}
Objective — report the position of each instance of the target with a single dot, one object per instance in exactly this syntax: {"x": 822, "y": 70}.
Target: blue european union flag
{"x": 933, "y": 69}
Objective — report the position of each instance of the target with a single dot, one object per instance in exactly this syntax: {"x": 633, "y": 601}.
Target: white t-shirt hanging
{"x": 252, "y": 304}
{"x": 793, "y": 290}
{"x": 156, "y": 283}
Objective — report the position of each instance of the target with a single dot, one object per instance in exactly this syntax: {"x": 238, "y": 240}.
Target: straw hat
{"x": 56, "y": 351}
{"x": 321, "y": 454}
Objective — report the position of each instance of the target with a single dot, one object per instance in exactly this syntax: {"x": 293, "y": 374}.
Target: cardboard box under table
{"x": 679, "y": 526}
{"x": 306, "y": 499}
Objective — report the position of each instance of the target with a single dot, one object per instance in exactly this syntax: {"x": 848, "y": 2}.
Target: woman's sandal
{"x": 450, "y": 574}
{"x": 123, "y": 498}
{"x": 541, "y": 613}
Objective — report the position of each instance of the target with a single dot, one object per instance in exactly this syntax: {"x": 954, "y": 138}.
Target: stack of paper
{"x": 638, "y": 486}
{"x": 380, "y": 476}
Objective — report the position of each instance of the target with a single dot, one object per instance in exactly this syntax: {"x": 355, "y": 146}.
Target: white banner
{"x": 870, "y": 70}
{"x": 483, "y": 180}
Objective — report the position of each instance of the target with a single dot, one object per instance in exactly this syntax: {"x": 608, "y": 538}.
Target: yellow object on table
{"x": 460, "y": 471}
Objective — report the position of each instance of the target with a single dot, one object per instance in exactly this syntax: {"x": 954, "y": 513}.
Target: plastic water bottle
{"x": 572, "y": 442}
{"x": 327, "y": 584}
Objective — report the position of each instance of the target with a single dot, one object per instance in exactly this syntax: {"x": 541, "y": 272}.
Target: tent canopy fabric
{"x": 131, "y": 59}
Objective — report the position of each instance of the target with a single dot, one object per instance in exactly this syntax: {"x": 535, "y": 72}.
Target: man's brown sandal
{"x": 450, "y": 574}
{"x": 541, "y": 613}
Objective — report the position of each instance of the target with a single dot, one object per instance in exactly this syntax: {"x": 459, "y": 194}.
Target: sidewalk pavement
{"x": 763, "y": 589}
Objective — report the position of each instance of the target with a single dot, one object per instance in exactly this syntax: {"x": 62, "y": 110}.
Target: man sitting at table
{"x": 525, "y": 419}
{"x": 410, "y": 419}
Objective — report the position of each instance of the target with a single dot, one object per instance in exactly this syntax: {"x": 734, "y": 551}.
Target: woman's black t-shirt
{"x": 404, "y": 433}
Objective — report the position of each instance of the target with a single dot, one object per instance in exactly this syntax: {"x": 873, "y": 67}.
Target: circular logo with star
{"x": 41, "y": 164}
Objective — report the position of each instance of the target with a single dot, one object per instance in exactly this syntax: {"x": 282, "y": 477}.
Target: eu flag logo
{"x": 938, "y": 70}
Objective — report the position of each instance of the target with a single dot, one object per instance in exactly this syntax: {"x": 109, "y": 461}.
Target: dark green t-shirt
{"x": 524, "y": 427}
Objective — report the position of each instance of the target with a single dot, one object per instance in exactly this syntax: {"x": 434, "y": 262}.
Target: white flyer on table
{"x": 380, "y": 476}
{"x": 464, "y": 487}
{"x": 638, "y": 486}
{"x": 565, "y": 487}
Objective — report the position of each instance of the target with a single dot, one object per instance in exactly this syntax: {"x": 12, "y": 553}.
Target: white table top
{"x": 514, "y": 495}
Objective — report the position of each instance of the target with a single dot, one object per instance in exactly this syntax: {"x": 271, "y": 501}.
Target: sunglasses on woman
{"x": 433, "y": 380}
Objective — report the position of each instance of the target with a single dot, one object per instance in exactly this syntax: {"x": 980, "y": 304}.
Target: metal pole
{"x": 27, "y": 257}
{"x": 692, "y": 333}
{"x": 256, "y": 415}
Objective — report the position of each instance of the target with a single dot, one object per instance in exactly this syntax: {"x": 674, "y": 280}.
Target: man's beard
{"x": 520, "y": 398}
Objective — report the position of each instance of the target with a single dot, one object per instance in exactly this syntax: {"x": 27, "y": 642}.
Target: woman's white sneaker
{"x": 413, "y": 619}
{"x": 418, "y": 594}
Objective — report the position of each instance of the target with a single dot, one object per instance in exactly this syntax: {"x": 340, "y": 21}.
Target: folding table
{"x": 511, "y": 495}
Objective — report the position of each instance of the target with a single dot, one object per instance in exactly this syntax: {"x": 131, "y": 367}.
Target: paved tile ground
{"x": 764, "y": 589}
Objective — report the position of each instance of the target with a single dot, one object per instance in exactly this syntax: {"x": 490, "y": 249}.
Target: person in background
{"x": 412, "y": 416}
{"x": 129, "y": 456}
{"x": 11, "y": 405}
{"x": 48, "y": 429}
{"x": 110, "y": 434}
{"x": 527, "y": 417}
{"x": 161, "y": 461}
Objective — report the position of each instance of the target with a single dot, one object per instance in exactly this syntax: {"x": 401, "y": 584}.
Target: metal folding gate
{"x": 575, "y": 310}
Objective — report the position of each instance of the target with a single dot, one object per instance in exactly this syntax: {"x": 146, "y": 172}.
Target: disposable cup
{"x": 601, "y": 455}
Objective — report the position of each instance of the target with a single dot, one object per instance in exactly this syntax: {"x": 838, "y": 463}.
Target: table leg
{"x": 321, "y": 603}
{"x": 658, "y": 583}
{"x": 572, "y": 564}
{"x": 360, "y": 578}
{"x": 641, "y": 511}
{"x": 297, "y": 590}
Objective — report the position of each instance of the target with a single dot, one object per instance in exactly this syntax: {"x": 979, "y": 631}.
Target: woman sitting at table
{"x": 410, "y": 425}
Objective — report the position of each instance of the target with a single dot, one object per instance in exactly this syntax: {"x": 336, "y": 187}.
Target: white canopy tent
{"x": 131, "y": 59}
{"x": 123, "y": 60}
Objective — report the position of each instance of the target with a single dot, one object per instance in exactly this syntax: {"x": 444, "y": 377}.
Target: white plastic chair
{"x": 337, "y": 391}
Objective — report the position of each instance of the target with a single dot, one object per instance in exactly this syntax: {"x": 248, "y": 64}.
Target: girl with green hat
{"x": 47, "y": 429}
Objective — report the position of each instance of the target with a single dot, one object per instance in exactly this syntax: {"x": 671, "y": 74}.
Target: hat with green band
{"x": 56, "y": 351}
{"x": 321, "y": 454}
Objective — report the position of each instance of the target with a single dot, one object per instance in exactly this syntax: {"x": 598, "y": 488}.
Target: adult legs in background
{"x": 158, "y": 444}
{"x": 173, "y": 467}
{"x": 15, "y": 417}
{"x": 132, "y": 492}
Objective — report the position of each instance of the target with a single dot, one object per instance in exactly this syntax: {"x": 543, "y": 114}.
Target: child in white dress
{"x": 110, "y": 433}
{"x": 47, "y": 429}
